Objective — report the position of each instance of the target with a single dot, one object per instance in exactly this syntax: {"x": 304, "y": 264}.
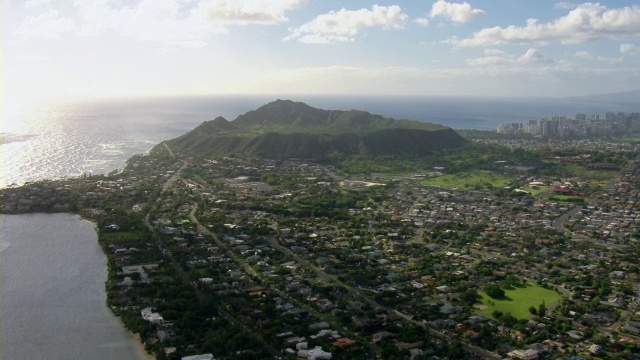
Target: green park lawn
{"x": 567, "y": 198}
{"x": 478, "y": 180}
{"x": 596, "y": 176}
{"x": 537, "y": 190}
{"x": 630, "y": 138}
{"x": 519, "y": 300}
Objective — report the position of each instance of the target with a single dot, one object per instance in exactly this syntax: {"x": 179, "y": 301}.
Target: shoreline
{"x": 136, "y": 340}
{"x": 142, "y": 353}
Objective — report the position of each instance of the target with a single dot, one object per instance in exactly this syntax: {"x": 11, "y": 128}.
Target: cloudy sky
{"x": 420, "y": 47}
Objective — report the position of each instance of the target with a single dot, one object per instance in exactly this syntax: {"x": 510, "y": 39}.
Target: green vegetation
{"x": 285, "y": 129}
{"x": 489, "y": 134}
{"x": 536, "y": 190}
{"x": 478, "y": 180}
{"x": 597, "y": 176}
{"x": 568, "y": 198}
{"x": 494, "y": 291}
{"x": 631, "y": 138}
{"x": 518, "y": 300}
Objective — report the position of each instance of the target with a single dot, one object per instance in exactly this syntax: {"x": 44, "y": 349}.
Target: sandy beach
{"x": 140, "y": 347}
{"x": 137, "y": 341}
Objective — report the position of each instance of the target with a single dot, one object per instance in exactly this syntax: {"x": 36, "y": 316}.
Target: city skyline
{"x": 581, "y": 125}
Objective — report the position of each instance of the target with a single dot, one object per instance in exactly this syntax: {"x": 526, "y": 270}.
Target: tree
{"x": 533, "y": 310}
{"x": 469, "y": 296}
{"x": 542, "y": 309}
{"x": 508, "y": 319}
{"x": 494, "y": 291}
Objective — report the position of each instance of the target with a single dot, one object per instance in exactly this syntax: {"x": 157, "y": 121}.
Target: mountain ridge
{"x": 287, "y": 129}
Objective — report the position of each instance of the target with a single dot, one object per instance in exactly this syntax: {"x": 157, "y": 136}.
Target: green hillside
{"x": 287, "y": 129}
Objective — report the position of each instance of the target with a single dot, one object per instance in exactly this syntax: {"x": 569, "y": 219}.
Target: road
{"x": 319, "y": 272}
{"x": 169, "y": 150}
{"x": 626, "y": 314}
{"x": 565, "y": 293}
{"x": 558, "y": 223}
{"x": 184, "y": 276}
{"x": 247, "y": 267}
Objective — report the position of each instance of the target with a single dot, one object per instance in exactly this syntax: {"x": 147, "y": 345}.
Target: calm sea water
{"x": 53, "y": 296}
{"x": 38, "y": 142}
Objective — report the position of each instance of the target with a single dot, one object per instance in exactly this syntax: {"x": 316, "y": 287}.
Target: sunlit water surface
{"x": 39, "y": 141}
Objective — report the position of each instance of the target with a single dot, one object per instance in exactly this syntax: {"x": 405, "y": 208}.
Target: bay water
{"x": 53, "y": 296}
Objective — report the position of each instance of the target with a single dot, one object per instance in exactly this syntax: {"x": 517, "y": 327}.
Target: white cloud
{"x": 49, "y": 25}
{"x": 518, "y": 80}
{"x": 166, "y": 21}
{"x": 344, "y": 25}
{"x": 491, "y": 60}
{"x": 585, "y": 55}
{"x": 630, "y": 49}
{"x": 610, "y": 60}
{"x": 565, "y": 5}
{"x": 494, "y": 52}
{"x": 421, "y": 21}
{"x": 30, "y": 4}
{"x": 247, "y": 12}
{"x": 456, "y": 12}
{"x": 500, "y": 58}
{"x": 582, "y": 54}
{"x": 179, "y": 23}
{"x": 586, "y": 22}
{"x": 533, "y": 56}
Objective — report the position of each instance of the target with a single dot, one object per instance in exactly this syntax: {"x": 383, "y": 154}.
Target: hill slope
{"x": 286, "y": 129}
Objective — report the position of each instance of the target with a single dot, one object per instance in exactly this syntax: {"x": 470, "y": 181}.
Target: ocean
{"x": 73, "y": 138}
{"x": 53, "y": 295}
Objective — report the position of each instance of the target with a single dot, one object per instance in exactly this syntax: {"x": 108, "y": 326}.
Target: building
{"x": 528, "y": 354}
{"x": 208, "y": 356}
{"x": 315, "y": 354}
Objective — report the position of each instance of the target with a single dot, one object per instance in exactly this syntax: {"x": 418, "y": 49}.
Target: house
{"x": 631, "y": 329}
{"x": 166, "y": 334}
{"x": 150, "y": 316}
{"x": 447, "y": 309}
{"x": 594, "y": 349}
{"x": 342, "y": 342}
{"x": 315, "y": 354}
{"x": 408, "y": 346}
{"x": 576, "y": 334}
{"x": 528, "y": 354}
{"x": 208, "y": 356}
{"x": 382, "y": 335}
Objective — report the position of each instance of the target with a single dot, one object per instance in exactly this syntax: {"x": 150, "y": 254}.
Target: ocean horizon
{"x": 93, "y": 136}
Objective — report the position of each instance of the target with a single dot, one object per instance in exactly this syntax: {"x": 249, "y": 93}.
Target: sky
{"x": 522, "y": 48}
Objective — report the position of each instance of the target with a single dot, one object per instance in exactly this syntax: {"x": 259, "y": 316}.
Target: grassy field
{"x": 478, "y": 180}
{"x": 535, "y": 191}
{"x": 630, "y": 138}
{"x": 518, "y": 301}
{"x": 597, "y": 176}
{"x": 567, "y": 198}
